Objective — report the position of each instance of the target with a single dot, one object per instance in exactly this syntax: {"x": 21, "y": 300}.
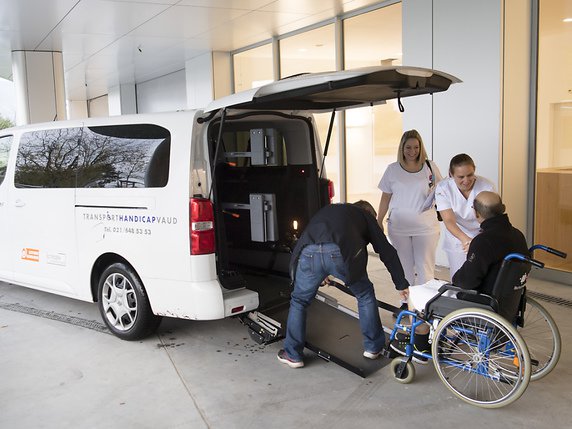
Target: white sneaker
{"x": 371, "y": 355}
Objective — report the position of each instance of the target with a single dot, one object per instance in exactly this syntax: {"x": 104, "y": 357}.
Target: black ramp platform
{"x": 335, "y": 336}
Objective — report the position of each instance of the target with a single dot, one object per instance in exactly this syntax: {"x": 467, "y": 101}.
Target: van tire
{"x": 124, "y": 305}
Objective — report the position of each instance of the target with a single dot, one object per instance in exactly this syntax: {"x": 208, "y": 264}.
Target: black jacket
{"x": 351, "y": 228}
{"x": 486, "y": 253}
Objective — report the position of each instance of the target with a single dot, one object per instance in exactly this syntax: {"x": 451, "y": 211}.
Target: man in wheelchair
{"x": 485, "y": 255}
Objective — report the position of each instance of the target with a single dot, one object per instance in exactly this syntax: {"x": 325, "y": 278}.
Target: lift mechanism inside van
{"x": 332, "y": 330}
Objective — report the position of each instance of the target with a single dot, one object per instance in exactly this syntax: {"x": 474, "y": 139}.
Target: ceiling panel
{"x": 187, "y": 21}
{"x": 108, "y": 17}
{"x": 229, "y": 4}
{"x": 30, "y": 21}
{"x": 107, "y": 42}
{"x": 248, "y": 29}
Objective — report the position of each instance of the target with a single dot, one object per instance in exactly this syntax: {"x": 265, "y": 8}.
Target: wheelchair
{"x": 486, "y": 349}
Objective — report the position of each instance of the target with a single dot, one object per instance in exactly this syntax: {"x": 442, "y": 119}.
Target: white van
{"x": 189, "y": 214}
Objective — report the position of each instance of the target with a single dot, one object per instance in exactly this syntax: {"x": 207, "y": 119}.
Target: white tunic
{"x": 448, "y": 196}
{"x": 409, "y": 192}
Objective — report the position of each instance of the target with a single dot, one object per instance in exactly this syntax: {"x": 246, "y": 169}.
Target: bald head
{"x": 488, "y": 204}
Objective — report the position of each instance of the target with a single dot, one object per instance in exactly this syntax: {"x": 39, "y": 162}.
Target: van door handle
{"x": 19, "y": 203}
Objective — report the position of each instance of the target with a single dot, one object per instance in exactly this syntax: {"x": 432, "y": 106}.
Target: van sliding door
{"x": 41, "y": 210}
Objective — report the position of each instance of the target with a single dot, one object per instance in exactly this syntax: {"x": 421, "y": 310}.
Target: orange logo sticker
{"x": 31, "y": 254}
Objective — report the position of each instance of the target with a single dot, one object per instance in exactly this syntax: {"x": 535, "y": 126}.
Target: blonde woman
{"x": 413, "y": 228}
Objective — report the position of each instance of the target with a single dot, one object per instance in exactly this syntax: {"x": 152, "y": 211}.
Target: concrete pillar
{"x": 199, "y": 79}
{"x": 77, "y": 109}
{"x": 467, "y": 117}
{"x": 122, "y": 100}
{"x": 208, "y": 76}
{"x": 222, "y": 72}
{"x": 39, "y": 86}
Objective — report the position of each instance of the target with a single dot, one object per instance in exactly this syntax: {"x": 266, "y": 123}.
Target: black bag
{"x": 439, "y": 218}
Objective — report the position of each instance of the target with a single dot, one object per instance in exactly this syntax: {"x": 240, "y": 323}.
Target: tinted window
{"x": 125, "y": 156}
{"x": 48, "y": 158}
{"x": 5, "y": 143}
{"x": 121, "y": 156}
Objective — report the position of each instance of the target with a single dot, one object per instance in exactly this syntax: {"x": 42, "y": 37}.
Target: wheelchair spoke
{"x": 542, "y": 338}
{"x": 480, "y": 358}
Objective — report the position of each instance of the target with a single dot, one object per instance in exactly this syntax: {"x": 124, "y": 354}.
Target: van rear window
{"x": 118, "y": 156}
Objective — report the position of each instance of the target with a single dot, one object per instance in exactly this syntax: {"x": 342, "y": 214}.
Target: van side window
{"x": 118, "y": 156}
{"x": 48, "y": 158}
{"x": 125, "y": 156}
{"x": 5, "y": 143}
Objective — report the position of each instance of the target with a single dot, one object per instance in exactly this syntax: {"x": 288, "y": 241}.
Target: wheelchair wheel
{"x": 481, "y": 358}
{"x": 408, "y": 372}
{"x": 542, "y": 338}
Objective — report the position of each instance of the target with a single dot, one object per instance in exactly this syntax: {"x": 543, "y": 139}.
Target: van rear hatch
{"x": 339, "y": 90}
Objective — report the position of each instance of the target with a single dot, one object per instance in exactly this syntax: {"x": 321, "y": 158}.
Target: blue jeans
{"x": 316, "y": 262}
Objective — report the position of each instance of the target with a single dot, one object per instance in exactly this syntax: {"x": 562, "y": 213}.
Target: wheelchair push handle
{"x": 549, "y": 250}
{"x": 523, "y": 258}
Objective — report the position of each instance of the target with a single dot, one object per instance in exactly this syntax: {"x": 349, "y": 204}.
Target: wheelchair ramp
{"x": 333, "y": 333}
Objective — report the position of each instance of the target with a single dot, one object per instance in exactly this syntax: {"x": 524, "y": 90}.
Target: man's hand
{"x": 404, "y": 294}
{"x": 466, "y": 245}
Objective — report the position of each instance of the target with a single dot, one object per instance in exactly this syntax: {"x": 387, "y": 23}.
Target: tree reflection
{"x": 80, "y": 157}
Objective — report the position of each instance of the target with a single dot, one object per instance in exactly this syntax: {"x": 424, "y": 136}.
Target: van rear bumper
{"x": 239, "y": 301}
{"x": 198, "y": 300}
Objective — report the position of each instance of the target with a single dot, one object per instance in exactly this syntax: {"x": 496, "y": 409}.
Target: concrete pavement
{"x": 60, "y": 369}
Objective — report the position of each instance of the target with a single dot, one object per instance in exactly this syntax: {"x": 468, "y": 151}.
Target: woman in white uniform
{"x": 454, "y": 197}
{"x": 412, "y": 224}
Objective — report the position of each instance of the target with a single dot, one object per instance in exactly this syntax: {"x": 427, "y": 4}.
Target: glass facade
{"x": 253, "y": 68}
{"x": 553, "y": 205}
{"x": 372, "y": 133}
{"x": 310, "y": 52}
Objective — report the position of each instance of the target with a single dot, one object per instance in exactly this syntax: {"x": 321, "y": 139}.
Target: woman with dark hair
{"x": 411, "y": 225}
{"x": 455, "y": 197}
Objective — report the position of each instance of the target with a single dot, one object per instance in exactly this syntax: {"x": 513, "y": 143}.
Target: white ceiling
{"x": 110, "y": 42}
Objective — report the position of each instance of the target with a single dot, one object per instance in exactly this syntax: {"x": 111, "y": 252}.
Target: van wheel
{"x": 124, "y": 304}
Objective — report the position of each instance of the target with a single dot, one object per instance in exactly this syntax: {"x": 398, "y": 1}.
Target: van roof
{"x": 340, "y": 90}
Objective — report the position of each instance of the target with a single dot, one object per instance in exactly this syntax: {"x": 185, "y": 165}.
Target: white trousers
{"x": 417, "y": 255}
{"x": 456, "y": 260}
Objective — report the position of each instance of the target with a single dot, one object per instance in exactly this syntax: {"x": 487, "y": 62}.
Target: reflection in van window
{"x": 122, "y": 156}
{"x": 48, "y": 158}
{"x": 125, "y": 156}
{"x": 5, "y": 143}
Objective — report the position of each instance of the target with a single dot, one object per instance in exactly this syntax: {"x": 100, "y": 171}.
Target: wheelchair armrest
{"x": 449, "y": 286}
{"x": 493, "y": 302}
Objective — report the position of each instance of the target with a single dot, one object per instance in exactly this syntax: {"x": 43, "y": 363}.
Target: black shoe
{"x": 400, "y": 342}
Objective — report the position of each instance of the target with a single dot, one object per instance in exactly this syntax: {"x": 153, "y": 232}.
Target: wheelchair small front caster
{"x": 403, "y": 370}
